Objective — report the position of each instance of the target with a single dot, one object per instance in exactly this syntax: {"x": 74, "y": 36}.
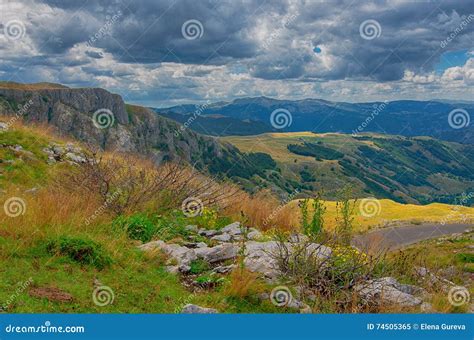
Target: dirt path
{"x": 398, "y": 237}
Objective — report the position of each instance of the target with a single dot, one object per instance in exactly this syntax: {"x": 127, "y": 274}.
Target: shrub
{"x": 137, "y": 227}
{"x": 126, "y": 184}
{"x": 309, "y": 266}
{"x": 345, "y": 216}
{"x": 79, "y": 250}
{"x": 314, "y": 226}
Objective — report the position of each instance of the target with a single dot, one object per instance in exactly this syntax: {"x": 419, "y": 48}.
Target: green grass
{"x": 139, "y": 281}
{"x": 26, "y": 167}
{"x": 446, "y": 252}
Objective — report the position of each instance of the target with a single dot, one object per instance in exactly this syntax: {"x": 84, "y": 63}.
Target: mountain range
{"x": 248, "y": 116}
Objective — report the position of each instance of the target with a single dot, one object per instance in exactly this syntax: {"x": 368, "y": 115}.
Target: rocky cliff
{"x": 94, "y": 115}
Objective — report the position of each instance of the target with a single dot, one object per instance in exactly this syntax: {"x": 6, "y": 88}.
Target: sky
{"x": 169, "y": 52}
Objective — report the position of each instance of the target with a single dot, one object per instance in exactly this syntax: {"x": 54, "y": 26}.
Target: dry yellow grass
{"x": 242, "y": 283}
{"x": 387, "y": 212}
{"x": 46, "y": 213}
{"x": 264, "y": 211}
{"x": 32, "y": 86}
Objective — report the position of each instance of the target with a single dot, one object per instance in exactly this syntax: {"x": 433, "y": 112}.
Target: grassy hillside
{"x": 410, "y": 170}
{"x": 65, "y": 242}
{"x": 51, "y": 260}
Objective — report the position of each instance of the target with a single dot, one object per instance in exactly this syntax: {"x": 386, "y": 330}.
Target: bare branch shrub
{"x": 326, "y": 269}
{"x": 126, "y": 184}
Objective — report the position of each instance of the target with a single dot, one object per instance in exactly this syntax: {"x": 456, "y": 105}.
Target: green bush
{"x": 199, "y": 266}
{"x": 79, "y": 250}
{"x": 137, "y": 227}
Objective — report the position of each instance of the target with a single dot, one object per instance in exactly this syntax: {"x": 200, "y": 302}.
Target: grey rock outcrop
{"x": 195, "y": 309}
{"x": 387, "y": 290}
{"x": 261, "y": 257}
{"x": 218, "y": 253}
{"x": 182, "y": 255}
{"x": 70, "y": 153}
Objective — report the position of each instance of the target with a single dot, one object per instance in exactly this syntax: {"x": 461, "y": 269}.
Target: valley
{"x": 150, "y": 211}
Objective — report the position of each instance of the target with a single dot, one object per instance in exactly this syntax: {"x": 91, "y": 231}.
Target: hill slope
{"x": 414, "y": 170}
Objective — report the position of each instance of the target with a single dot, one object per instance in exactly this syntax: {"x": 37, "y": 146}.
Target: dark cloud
{"x": 265, "y": 40}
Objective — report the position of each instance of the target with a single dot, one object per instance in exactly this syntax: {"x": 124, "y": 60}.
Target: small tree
{"x": 345, "y": 215}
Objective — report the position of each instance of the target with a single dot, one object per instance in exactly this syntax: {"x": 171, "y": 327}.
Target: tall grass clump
{"x": 345, "y": 207}
{"x": 312, "y": 222}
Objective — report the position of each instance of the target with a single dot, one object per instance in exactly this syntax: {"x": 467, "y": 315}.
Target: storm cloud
{"x": 162, "y": 52}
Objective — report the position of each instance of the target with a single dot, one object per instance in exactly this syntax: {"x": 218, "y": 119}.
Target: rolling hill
{"x": 404, "y": 169}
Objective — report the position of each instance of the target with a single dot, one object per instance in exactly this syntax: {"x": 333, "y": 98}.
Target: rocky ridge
{"x": 101, "y": 118}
